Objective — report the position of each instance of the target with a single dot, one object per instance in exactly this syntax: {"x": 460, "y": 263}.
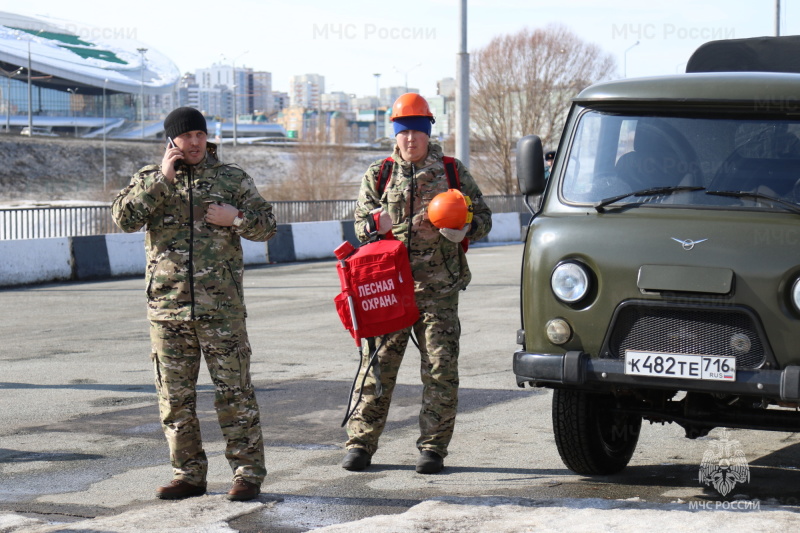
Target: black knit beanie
{"x": 184, "y": 119}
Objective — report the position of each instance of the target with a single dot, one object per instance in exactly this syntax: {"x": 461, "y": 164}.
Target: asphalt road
{"x": 80, "y": 439}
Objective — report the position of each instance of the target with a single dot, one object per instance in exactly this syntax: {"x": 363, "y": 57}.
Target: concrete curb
{"x": 125, "y": 253}
{"x": 29, "y": 261}
{"x": 35, "y": 260}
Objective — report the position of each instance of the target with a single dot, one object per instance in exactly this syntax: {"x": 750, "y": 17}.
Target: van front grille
{"x": 704, "y": 331}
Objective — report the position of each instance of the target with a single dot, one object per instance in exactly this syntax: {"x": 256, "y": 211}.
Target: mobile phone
{"x": 172, "y": 145}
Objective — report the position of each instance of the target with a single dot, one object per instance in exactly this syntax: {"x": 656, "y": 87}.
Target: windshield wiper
{"x": 653, "y": 191}
{"x": 789, "y": 206}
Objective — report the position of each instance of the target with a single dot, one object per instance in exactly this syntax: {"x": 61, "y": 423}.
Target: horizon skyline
{"x": 417, "y": 45}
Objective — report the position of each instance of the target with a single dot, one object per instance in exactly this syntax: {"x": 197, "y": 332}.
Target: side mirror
{"x": 530, "y": 165}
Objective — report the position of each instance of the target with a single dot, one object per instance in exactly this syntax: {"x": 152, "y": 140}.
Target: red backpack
{"x": 377, "y": 295}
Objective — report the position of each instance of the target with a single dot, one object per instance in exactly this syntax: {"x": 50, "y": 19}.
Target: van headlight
{"x": 570, "y": 282}
{"x": 796, "y": 294}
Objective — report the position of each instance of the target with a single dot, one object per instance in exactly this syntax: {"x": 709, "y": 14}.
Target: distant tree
{"x": 317, "y": 172}
{"x": 523, "y": 84}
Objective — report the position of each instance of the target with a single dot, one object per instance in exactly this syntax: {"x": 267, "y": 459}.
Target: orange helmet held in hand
{"x": 450, "y": 209}
{"x": 411, "y": 105}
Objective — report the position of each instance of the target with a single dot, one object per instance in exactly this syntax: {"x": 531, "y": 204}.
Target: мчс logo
{"x": 724, "y": 465}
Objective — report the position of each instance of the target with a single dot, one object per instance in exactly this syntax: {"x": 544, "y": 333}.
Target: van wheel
{"x": 591, "y": 438}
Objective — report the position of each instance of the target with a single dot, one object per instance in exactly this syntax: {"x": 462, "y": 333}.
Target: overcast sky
{"x": 348, "y": 42}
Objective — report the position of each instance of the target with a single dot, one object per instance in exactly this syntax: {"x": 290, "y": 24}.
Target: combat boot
{"x": 429, "y": 462}
{"x": 243, "y": 491}
{"x": 356, "y": 459}
{"x": 178, "y": 489}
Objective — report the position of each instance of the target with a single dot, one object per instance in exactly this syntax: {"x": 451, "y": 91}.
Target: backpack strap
{"x": 382, "y": 179}
{"x": 384, "y": 174}
{"x": 451, "y": 170}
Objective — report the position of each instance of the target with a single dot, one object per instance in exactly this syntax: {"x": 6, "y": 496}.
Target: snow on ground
{"x": 456, "y": 515}
{"x": 500, "y": 515}
{"x": 29, "y": 204}
{"x": 208, "y": 514}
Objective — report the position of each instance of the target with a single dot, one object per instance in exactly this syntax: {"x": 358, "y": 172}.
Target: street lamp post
{"x": 141, "y": 92}
{"x": 235, "y": 112}
{"x": 30, "y": 83}
{"x": 8, "y": 95}
{"x": 462, "y": 89}
{"x": 73, "y": 92}
{"x": 405, "y": 74}
{"x": 625, "y": 63}
{"x": 105, "y": 82}
{"x": 30, "y": 93}
{"x": 378, "y": 98}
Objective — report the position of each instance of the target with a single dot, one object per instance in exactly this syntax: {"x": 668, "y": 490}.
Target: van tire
{"x": 591, "y": 438}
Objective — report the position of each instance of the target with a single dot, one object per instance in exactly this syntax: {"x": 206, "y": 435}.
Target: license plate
{"x": 675, "y": 365}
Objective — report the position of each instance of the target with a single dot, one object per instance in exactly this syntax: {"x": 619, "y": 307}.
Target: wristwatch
{"x": 238, "y": 220}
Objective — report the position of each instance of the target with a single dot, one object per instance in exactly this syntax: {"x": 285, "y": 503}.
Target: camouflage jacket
{"x": 439, "y": 266}
{"x": 194, "y": 269}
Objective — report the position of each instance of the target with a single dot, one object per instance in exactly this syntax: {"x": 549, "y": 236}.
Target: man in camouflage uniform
{"x": 196, "y": 210}
{"x": 440, "y": 271}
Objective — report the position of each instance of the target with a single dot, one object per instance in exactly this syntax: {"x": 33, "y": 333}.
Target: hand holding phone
{"x": 171, "y": 160}
{"x": 177, "y": 161}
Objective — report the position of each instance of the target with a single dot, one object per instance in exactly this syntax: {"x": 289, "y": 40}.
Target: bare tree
{"x": 319, "y": 171}
{"x": 522, "y": 84}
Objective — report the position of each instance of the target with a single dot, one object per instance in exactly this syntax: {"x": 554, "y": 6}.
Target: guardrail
{"x": 76, "y": 221}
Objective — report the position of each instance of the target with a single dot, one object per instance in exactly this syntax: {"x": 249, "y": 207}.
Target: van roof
{"x": 762, "y": 91}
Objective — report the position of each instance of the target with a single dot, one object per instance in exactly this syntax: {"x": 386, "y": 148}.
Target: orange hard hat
{"x": 411, "y": 105}
{"x": 450, "y": 209}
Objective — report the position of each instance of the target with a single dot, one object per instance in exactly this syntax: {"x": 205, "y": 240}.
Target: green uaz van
{"x": 661, "y": 271}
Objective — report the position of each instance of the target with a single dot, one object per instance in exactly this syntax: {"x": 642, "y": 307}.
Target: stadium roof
{"x": 74, "y": 53}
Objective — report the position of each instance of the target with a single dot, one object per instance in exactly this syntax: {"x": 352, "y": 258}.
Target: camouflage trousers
{"x": 177, "y": 348}
{"x": 437, "y": 331}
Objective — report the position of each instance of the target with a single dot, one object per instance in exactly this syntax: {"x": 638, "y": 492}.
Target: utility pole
{"x": 777, "y": 18}
{"x": 462, "y": 90}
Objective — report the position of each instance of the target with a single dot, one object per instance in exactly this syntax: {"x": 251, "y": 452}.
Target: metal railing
{"x": 47, "y": 222}
{"x": 313, "y": 210}
{"x": 73, "y": 221}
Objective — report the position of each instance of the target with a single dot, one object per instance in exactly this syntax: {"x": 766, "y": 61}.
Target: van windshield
{"x": 691, "y": 159}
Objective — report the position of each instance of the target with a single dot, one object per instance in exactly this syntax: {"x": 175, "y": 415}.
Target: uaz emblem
{"x": 688, "y": 244}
